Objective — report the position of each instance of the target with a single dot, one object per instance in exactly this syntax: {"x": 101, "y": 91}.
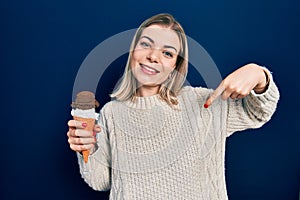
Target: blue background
{"x": 43, "y": 44}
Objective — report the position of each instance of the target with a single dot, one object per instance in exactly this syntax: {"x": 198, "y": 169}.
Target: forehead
{"x": 162, "y": 35}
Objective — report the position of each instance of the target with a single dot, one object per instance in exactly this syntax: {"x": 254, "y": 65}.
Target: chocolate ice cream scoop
{"x": 84, "y": 100}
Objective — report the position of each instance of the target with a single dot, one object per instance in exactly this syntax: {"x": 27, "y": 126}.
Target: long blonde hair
{"x": 169, "y": 89}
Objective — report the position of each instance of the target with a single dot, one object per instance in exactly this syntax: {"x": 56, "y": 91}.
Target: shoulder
{"x": 107, "y": 109}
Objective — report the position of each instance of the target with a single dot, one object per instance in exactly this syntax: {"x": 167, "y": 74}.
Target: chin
{"x": 148, "y": 83}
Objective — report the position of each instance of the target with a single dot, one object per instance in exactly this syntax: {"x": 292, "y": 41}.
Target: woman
{"x": 160, "y": 140}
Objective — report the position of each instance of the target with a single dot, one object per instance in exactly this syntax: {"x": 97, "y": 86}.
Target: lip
{"x": 149, "y": 70}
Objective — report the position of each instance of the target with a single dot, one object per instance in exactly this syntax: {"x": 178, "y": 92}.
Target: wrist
{"x": 263, "y": 85}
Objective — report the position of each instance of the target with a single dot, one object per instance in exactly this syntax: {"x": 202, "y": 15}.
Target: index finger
{"x": 75, "y": 124}
{"x": 220, "y": 89}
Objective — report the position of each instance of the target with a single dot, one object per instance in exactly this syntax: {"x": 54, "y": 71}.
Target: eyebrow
{"x": 165, "y": 46}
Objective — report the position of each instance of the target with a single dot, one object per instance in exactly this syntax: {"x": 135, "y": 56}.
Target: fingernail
{"x": 84, "y": 125}
{"x": 94, "y": 133}
{"x": 205, "y": 105}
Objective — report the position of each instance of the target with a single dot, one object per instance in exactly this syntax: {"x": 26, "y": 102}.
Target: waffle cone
{"x": 90, "y": 127}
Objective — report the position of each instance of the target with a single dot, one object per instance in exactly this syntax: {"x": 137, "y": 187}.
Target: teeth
{"x": 150, "y": 69}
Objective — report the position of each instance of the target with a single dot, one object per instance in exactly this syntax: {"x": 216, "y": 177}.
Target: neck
{"x": 145, "y": 91}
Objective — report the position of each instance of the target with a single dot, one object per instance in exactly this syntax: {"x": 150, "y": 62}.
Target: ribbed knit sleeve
{"x": 252, "y": 111}
{"x": 96, "y": 172}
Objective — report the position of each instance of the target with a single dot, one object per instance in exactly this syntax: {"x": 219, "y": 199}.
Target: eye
{"x": 168, "y": 54}
{"x": 145, "y": 44}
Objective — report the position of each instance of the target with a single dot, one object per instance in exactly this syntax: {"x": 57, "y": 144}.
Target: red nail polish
{"x": 94, "y": 133}
{"x": 205, "y": 105}
{"x": 84, "y": 125}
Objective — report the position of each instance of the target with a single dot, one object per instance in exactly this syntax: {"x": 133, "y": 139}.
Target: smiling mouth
{"x": 149, "y": 70}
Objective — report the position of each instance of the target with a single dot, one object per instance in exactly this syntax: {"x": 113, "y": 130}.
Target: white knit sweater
{"x": 148, "y": 150}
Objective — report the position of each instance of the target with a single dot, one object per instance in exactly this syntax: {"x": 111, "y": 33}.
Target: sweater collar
{"x": 146, "y": 102}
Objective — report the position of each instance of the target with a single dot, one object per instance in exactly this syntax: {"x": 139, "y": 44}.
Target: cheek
{"x": 133, "y": 57}
{"x": 137, "y": 55}
{"x": 170, "y": 65}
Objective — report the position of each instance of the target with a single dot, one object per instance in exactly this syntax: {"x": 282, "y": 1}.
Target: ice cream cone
{"x": 84, "y": 111}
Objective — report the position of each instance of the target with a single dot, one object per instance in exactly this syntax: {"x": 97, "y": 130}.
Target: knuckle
{"x": 72, "y": 147}
{"x": 232, "y": 88}
{"x": 90, "y": 146}
{"x": 225, "y": 83}
{"x": 225, "y": 95}
{"x": 82, "y": 148}
{"x": 79, "y": 141}
{"x": 87, "y": 147}
{"x": 78, "y": 123}
{"x": 76, "y": 133}
{"x": 238, "y": 91}
{"x": 244, "y": 93}
{"x": 71, "y": 132}
{"x": 213, "y": 96}
{"x": 70, "y": 141}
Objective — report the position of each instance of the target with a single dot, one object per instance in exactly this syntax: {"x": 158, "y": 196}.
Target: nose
{"x": 153, "y": 55}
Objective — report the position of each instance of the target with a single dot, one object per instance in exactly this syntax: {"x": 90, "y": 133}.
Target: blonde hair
{"x": 169, "y": 89}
